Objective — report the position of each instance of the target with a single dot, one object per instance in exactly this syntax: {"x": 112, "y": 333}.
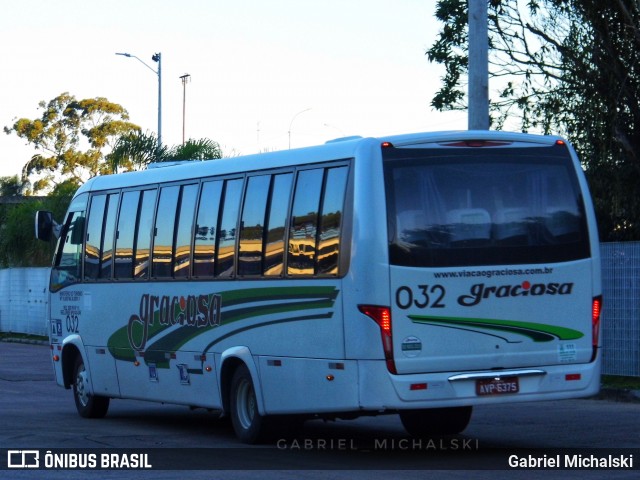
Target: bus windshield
{"x": 452, "y": 207}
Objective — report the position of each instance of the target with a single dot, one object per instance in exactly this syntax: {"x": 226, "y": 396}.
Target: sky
{"x": 264, "y": 75}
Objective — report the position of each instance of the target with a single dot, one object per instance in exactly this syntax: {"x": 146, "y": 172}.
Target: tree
{"x": 565, "y": 66}
{"x": 136, "y": 150}
{"x": 70, "y": 137}
{"x": 10, "y": 186}
{"x": 18, "y": 244}
{"x": 202, "y": 149}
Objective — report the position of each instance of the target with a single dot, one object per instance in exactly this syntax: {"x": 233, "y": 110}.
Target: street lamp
{"x": 291, "y": 123}
{"x": 185, "y": 78}
{"x": 157, "y": 57}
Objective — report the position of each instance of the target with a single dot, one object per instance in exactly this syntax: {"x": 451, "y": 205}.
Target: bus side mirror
{"x": 45, "y": 225}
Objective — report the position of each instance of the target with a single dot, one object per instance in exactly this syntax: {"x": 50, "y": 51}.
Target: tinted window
{"x": 453, "y": 207}
{"x": 276, "y": 224}
{"x": 164, "y": 230}
{"x": 228, "y": 225}
{"x": 331, "y": 221}
{"x": 304, "y": 223}
{"x": 93, "y": 249}
{"x": 252, "y": 226}
{"x": 108, "y": 237}
{"x": 143, "y": 234}
{"x": 206, "y": 227}
{"x": 183, "y": 230}
{"x": 125, "y": 235}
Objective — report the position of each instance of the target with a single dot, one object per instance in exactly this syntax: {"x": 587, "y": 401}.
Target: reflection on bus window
{"x": 93, "y": 250}
{"x": 143, "y": 235}
{"x": 304, "y": 223}
{"x": 330, "y": 223}
{"x": 205, "y": 231}
{"x": 184, "y": 228}
{"x": 164, "y": 226}
{"x": 125, "y": 235}
{"x": 278, "y": 211}
{"x": 107, "y": 238}
{"x": 228, "y": 225}
{"x": 252, "y": 226}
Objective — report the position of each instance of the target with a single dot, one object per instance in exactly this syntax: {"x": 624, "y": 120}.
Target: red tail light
{"x": 382, "y": 316}
{"x": 596, "y": 308}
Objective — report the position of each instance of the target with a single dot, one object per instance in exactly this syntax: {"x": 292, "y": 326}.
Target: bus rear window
{"x": 466, "y": 207}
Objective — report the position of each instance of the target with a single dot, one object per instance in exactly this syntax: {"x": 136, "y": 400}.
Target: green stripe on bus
{"x": 538, "y": 332}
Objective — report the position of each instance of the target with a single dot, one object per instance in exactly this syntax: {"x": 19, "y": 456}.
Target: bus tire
{"x": 249, "y": 425}
{"x": 436, "y": 421}
{"x": 88, "y": 406}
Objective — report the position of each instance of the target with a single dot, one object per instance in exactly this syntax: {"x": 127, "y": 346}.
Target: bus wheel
{"x": 249, "y": 425}
{"x": 436, "y": 421}
{"x": 89, "y": 406}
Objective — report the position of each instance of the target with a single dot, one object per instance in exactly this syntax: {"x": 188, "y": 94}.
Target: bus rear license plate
{"x": 497, "y": 386}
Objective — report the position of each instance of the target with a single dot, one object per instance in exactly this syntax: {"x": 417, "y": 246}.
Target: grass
{"x": 621, "y": 382}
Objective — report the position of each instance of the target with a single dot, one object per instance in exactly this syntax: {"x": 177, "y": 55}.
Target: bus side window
{"x": 331, "y": 221}
{"x": 142, "y": 245}
{"x": 164, "y": 232}
{"x": 206, "y": 229}
{"x": 125, "y": 235}
{"x": 106, "y": 261}
{"x": 227, "y": 234}
{"x": 184, "y": 227}
{"x": 276, "y": 224}
{"x": 303, "y": 230}
{"x": 99, "y": 239}
{"x": 252, "y": 226}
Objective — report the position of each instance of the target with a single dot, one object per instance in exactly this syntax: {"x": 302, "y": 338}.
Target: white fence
{"x": 23, "y": 303}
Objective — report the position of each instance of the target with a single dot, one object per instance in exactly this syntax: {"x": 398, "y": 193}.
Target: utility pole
{"x": 478, "y": 114}
{"x": 185, "y": 78}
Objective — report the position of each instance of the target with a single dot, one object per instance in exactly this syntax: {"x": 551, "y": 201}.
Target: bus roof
{"x": 333, "y": 150}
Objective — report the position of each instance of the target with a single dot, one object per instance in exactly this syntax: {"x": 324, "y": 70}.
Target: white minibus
{"x": 419, "y": 275}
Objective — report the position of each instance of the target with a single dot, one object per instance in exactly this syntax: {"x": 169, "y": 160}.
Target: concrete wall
{"x": 23, "y": 300}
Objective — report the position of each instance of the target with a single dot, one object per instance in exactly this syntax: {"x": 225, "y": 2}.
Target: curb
{"x": 25, "y": 341}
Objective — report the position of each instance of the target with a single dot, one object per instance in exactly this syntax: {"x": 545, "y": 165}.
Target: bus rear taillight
{"x": 596, "y": 309}
{"x": 382, "y": 316}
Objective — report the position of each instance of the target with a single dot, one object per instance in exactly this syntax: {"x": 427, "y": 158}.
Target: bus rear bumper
{"x": 447, "y": 389}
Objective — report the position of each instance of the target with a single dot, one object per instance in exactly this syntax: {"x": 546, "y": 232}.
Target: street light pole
{"x": 291, "y": 123}
{"x": 157, "y": 57}
{"x": 185, "y": 78}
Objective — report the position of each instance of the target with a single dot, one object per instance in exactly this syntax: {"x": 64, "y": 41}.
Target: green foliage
{"x": 18, "y": 245}
{"x": 70, "y": 137}
{"x": 136, "y": 150}
{"x": 202, "y": 149}
{"x": 10, "y": 186}
{"x": 565, "y": 66}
